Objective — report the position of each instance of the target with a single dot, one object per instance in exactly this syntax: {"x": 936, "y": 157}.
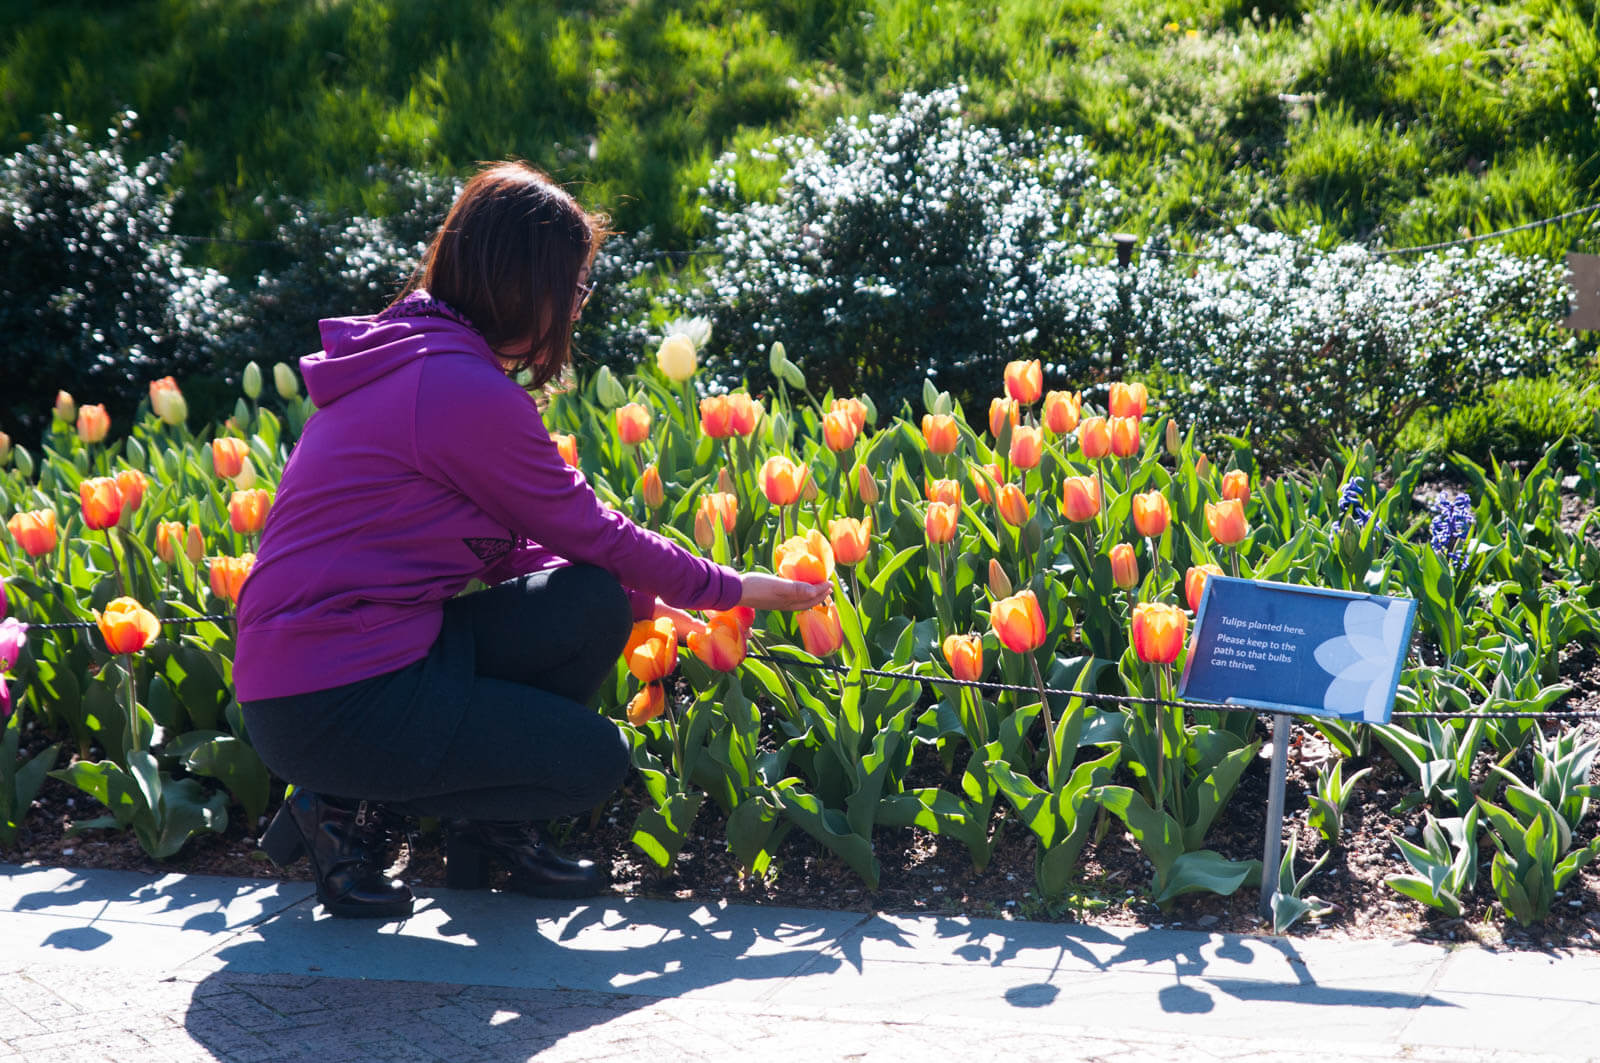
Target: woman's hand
{"x": 762, "y": 591}
{"x": 684, "y": 623}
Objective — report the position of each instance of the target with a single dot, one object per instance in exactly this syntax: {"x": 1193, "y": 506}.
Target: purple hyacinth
{"x": 1452, "y": 523}
{"x": 1350, "y": 500}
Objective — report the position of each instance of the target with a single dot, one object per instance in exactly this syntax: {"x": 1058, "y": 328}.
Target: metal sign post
{"x": 1271, "y": 853}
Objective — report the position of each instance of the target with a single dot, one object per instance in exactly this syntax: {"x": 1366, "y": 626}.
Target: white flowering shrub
{"x": 95, "y": 297}
{"x": 615, "y": 328}
{"x": 1307, "y": 347}
{"x": 907, "y": 246}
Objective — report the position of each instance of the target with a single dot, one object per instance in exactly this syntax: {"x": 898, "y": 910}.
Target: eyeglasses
{"x": 584, "y": 291}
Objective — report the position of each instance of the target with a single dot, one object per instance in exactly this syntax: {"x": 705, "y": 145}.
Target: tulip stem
{"x": 1235, "y": 559}
{"x": 134, "y": 741}
{"x": 1049, "y": 724}
{"x": 122, "y": 586}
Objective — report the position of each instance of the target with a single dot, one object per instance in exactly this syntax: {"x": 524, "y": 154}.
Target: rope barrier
{"x": 1541, "y": 223}
{"x": 983, "y": 684}
{"x": 1125, "y": 699}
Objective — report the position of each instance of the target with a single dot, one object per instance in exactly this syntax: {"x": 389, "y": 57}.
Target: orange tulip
{"x": 720, "y": 507}
{"x": 1151, "y": 513}
{"x": 169, "y": 540}
{"x": 1124, "y": 436}
{"x": 1094, "y": 438}
{"x": 132, "y": 484}
{"x": 947, "y": 491}
{"x": 566, "y": 446}
{"x": 1013, "y": 506}
{"x": 127, "y": 626}
{"x": 819, "y": 629}
{"x": 229, "y": 573}
{"x": 807, "y": 558}
{"x": 1080, "y": 498}
{"x": 1128, "y": 400}
{"x": 93, "y": 423}
{"x": 866, "y": 486}
{"x": 743, "y": 413}
{"x": 650, "y": 488}
{"x": 1236, "y": 485}
{"x": 721, "y": 645}
{"x": 228, "y": 456}
{"x": 782, "y": 480}
{"x": 102, "y": 502}
{"x": 854, "y": 408}
{"x": 633, "y": 424}
{"x": 34, "y": 531}
{"x": 1062, "y": 410}
{"x": 1027, "y": 446}
{"x": 850, "y": 539}
{"x": 1124, "y": 567}
{"x": 652, "y": 649}
{"x": 716, "y": 416}
{"x": 939, "y": 431}
{"x": 647, "y": 704}
{"x": 838, "y": 431}
{"x": 247, "y": 511}
{"x": 965, "y": 654}
{"x": 1019, "y": 622}
{"x": 1226, "y": 521}
{"x": 982, "y": 475}
{"x": 940, "y": 523}
{"x": 1194, "y": 583}
{"x": 1158, "y": 631}
{"x": 1001, "y": 411}
{"x": 1024, "y": 381}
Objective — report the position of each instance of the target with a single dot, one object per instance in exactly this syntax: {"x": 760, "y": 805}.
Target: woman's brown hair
{"x": 509, "y": 257}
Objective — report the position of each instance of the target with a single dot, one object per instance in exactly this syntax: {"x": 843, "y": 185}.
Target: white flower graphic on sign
{"x": 1361, "y": 660}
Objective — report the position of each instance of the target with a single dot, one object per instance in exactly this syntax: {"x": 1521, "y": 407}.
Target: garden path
{"x": 101, "y": 964}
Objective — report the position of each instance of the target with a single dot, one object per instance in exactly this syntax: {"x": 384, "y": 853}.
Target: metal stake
{"x": 1270, "y": 855}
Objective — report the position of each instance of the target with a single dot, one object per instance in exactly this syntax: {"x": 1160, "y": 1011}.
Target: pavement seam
{"x": 816, "y": 957}
{"x": 228, "y": 936}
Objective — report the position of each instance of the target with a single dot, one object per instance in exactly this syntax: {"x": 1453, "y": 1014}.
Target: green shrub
{"x": 1515, "y": 420}
{"x": 95, "y": 297}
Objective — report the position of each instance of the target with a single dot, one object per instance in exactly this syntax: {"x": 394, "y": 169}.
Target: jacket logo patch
{"x": 489, "y": 550}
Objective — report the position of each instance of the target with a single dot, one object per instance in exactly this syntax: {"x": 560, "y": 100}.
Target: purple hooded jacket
{"x": 425, "y": 467}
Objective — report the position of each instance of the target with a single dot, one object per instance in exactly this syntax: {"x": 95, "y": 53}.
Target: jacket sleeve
{"x": 528, "y": 556}
{"x": 480, "y": 434}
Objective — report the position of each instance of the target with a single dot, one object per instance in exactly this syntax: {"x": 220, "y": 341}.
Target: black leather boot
{"x": 536, "y": 868}
{"x": 349, "y": 846}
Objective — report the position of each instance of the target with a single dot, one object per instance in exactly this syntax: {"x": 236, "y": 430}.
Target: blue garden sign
{"x": 1304, "y": 650}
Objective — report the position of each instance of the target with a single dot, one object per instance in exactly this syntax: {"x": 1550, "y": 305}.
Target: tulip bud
{"x": 250, "y": 382}
{"x": 1080, "y": 498}
{"x": 174, "y": 409}
{"x": 1027, "y": 447}
{"x": 850, "y": 539}
{"x": 5, "y": 448}
{"x": 808, "y": 488}
{"x": 66, "y": 409}
{"x": 965, "y": 655}
{"x": 716, "y": 416}
{"x": 1225, "y": 520}
{"x": 1019, "y": 622}
{"x": 948, "y": 491}
{"x": 247, "y": 511}
{"x": 1236, "y": 485}
{"x": 676, "y": 357}
{"x": 782, "y": 480}
{"x": 1002, "y": 411}
{"x": 1062, "y": 410}
{"x": 940, "y": 522}
{"x": 1024, "y": 381}
{"x": 93, "y": 423}
{"x": 228, "y": 456}
{"x": 1013, "y": 506}
{"x": 820, "y": 631}
{"x": 132, "y": 484}
{"x": 633, "y": 424}
{"x": 725, "y": 481}
{"x": 102, "y": 502}
{"x": 34, "y": 531}
{"x": 169, "y": 540}
{"x": 650, "y": 487}
{"x": 704, "y": 535}
{"x": 1202, "y": 466}
{"x": 940, "y": 433}
{"x": 1194, "y": 583}
{"x": 866, "y": 486}
{"x": 743, "y": 413}
{"x": 566, "y": 446}
{"x": 999, "y": 584}
{"x": 194, "y": 547}
{"x": 1174, "y": 441}
{"x": 1094, "y": 438}
{"x": 1124, "y": 436}
{"x": 1124, "y": 567}
{"x": 838, "y": 431}
{"x": 1158, "y": 632}
{"x": 246, "y": 478}
{"x": 1151, "y": 513}
{"x": 283, "y": 379}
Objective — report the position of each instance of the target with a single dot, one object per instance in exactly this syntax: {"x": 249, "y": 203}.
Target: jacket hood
{"x": 358, "y": 350}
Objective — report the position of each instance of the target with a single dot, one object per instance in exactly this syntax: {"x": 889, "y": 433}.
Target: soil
{"x": 923, "y": 873}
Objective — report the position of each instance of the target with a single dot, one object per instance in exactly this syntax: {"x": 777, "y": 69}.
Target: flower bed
{"x": 1056, "y": 543}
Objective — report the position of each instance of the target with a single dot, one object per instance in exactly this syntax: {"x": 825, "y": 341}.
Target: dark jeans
{"x": 492, "y": 725}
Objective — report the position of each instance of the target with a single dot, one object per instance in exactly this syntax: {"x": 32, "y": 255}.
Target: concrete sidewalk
{"x": 119, "y": 966}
